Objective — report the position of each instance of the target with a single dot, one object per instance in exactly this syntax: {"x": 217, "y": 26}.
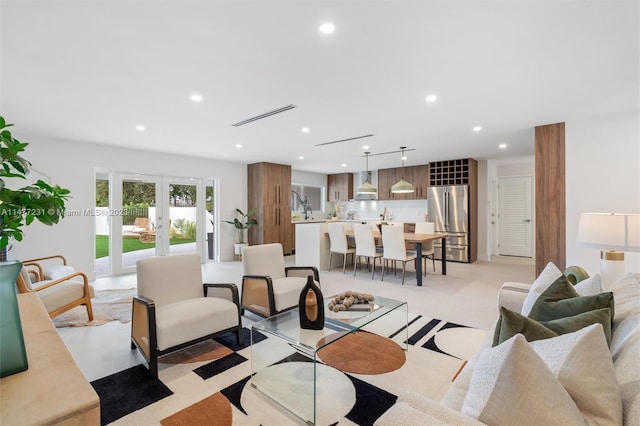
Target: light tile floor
{"x": 466, "y": 295}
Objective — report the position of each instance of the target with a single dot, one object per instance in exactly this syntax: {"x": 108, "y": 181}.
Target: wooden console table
{"x": 53, "y": 389}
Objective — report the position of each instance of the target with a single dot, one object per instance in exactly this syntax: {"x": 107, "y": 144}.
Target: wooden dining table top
{"x": 408, "y": 236}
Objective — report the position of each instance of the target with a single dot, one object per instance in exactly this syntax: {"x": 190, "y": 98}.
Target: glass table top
{"x": 337, "y": 324}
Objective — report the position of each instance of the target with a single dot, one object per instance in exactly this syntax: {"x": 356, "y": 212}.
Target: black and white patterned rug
{"x": 210, "y": 383}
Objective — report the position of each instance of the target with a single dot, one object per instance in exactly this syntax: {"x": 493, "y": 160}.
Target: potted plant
{"x": 18, "y": 208}
{"x": 242, "y": 222}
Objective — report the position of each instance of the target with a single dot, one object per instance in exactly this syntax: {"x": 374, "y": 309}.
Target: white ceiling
{"x": 91, "y": 71}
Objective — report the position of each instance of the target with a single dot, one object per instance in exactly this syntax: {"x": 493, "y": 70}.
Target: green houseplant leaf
{"x": 242, "y": 222}
{"x": 20, "y": 207}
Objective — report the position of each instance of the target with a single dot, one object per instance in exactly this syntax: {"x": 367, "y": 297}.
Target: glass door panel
{"x": 183, "y": 216}
{"x": 140, "y": 227}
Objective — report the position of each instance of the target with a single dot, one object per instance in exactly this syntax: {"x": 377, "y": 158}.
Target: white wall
{"x": 603, "y": 175}
{"x": 71, "y": 165}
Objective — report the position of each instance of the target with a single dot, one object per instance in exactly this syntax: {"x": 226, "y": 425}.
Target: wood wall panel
{"x": 550, "y": 196}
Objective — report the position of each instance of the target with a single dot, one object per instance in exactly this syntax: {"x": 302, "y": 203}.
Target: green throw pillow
{"x": 561, "y": 300}
{"x": 511, "y": 323}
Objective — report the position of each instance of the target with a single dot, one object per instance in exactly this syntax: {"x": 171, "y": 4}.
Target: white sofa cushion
{"x": 265, "y": 259}
{"x": 287, "y": 291}
{"x": 190, "y": 319}
{"x": 547, "y": 277}
{"x": 413, "y": 409}
{"x": 512, "y": 385}
{"x": 588, "y": 287}
{"x": 55, "y": 272}
{"x": 59, "y": 295}
{"x": 582, "y": 363}
{"x": 625, "y": 344}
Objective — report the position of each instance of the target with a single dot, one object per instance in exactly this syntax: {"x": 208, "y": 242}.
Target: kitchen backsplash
{"x": 401, "y": 211}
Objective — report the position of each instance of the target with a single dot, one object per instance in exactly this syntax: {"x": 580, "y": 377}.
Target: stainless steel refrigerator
{"x": 449, "y": 210}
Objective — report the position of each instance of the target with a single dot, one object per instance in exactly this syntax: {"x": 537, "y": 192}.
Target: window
{"x": 314, "y": 194}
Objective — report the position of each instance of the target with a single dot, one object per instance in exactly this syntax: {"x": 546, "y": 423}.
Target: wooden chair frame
{"x": 143, "y": 327}
{"x": 85, "y": 300}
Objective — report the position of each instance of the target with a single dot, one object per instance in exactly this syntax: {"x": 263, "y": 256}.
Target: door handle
{"x": 527, "y": 220}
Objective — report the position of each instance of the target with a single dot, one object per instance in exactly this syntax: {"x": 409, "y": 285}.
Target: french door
{"x": 153, "y": 216}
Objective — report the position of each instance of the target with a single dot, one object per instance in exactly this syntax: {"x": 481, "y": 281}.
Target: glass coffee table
{"x": 288, "y": 368}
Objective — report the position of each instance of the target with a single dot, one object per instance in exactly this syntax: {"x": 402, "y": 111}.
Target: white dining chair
{"x": 427, "y": 246}
{"x": 338, "y": 244}
{"x": 366, "y": 247}
{"x": 394, "y": 248}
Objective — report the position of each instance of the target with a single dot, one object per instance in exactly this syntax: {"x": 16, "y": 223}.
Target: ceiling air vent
{"x": 344, "y": 140}
{"x": 265, "y": 115}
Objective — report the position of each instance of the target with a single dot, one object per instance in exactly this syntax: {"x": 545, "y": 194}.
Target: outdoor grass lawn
{"x": 131, "y": 244}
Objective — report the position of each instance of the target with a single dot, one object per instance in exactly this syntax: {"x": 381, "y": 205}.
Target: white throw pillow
{"x": 544, "y": 280}
{"x": 590, "y": 286}
{"x": 511, "y": 385}
{"x": 582, "y": 363}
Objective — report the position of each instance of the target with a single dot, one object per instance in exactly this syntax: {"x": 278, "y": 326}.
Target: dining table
{"x": 417, "y": 239}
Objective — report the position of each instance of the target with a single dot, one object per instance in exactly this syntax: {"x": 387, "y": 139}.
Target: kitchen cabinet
{"x": 340, "y": 187}
{"x": 418, "y": 176}
{"x": 269, "y": 191}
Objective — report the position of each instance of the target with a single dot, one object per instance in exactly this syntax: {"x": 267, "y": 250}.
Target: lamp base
{"x": 611, "y": 266}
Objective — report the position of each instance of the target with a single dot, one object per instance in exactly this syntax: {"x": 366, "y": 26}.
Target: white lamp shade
{"x": 609, "y": 231}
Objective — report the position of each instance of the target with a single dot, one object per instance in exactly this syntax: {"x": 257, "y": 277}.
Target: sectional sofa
{"x": 580, "y": 377}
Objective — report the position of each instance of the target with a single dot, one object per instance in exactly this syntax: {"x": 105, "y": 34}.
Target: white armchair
{"x": 174, "y": 309}
{"x": 268, "y": 287}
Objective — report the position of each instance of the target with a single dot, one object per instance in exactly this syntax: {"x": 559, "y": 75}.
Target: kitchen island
{"x": 312, "y": 245}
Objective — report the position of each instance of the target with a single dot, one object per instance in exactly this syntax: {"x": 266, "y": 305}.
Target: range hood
{"x": 359, "y": 179}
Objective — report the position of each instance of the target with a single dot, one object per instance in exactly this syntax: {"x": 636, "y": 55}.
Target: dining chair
{"x": 338, "y": 244}
{"x": 427, "y": 246}
{"x": 395, "y": 249}
{"x": 365, "y": 246}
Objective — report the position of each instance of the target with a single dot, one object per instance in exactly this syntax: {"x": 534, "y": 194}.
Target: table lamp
{"x": 614, "y": 233}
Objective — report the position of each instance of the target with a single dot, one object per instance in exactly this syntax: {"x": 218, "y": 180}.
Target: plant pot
{"x": 238, "y": 248}
{"x": 13, "y": 356}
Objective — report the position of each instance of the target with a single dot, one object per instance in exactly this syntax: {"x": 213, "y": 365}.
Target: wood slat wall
{"x": 550, "y": 196}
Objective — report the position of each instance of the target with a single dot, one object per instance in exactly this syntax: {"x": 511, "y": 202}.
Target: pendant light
{"x": 402, "y": 186}
{"x": 366, "y": 187}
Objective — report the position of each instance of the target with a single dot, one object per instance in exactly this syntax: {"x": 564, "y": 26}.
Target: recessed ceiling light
{"x": 140, "y": 128}
{"x": 305, "y": 130}
{"x": 238, "y": 146}
{"x": 196, "y": 98}
{"x": 327, "y": 28}
{"x": 344, "y": 165}
{"x": 477, "y": 129}
{"x": 431, "y": 98}
{"x": 502, "y": 146}
{"x": 301, "y": 157}
{"x": 365, "y": 147}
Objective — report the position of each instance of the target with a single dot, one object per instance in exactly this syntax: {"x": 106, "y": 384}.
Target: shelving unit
{"x": 450, "y": 172}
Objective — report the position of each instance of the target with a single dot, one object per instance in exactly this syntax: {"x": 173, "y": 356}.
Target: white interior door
{"x": 515, "y": 216}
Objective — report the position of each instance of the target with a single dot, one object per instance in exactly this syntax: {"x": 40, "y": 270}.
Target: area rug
{"x": 211, "y": 383}
{"x": 108, "y": 305}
